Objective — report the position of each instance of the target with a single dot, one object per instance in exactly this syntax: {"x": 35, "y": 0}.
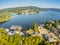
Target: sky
{"x": 37, "y": 3}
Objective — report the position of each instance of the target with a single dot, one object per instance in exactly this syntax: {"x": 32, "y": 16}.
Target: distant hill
{"x": 20, "y": 9}
{"x": 54, "y": 9}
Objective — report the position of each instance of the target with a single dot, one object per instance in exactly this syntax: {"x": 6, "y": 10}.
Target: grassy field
{"x": 4, "y": 17}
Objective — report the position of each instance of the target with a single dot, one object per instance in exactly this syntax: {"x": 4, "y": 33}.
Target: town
{"x": 49, "y": 32}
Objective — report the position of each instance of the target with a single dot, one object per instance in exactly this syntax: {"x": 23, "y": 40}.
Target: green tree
{"x": 36, "y": 27}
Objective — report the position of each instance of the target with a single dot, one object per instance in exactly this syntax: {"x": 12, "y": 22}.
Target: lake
{"x": 27, "y": 21}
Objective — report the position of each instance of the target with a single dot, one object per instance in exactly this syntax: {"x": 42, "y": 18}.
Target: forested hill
{"x": 54, "y": 9}
{"x": 26, "y": 9}
{"x": 20, "y": 9}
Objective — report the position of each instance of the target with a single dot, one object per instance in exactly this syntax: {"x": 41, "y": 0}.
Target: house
{"x": 21, "y": 33}
{"x": 42, "y": 30}
{"x": 13, "y": 32}
{"x": 15, "y": 28}
{"x": 10, "y": 33}
{"x": 58, "y": 27}
{"x": 30, "y": 31}
{"x": 51, "y": 39}
{"x": 7, "y": 30}
{"x": 45, "y": 36}
{"x": 58, "y": 33}
{"x": 55, "y": 31}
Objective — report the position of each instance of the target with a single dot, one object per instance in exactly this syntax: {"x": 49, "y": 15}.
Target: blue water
{"x": 27, "y": 21}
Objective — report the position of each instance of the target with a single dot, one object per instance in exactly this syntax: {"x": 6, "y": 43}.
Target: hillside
{"x": 54, "y": 9}
{"x": 20, "y": 10}
{"x": 26, "y": 10}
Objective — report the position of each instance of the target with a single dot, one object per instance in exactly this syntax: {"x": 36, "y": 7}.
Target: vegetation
{"x": 16, "y": 39}
{"x": 4, "y": 17}
{"x": 36, "y": 27}
{"x": 54, "y": 9}
{"x": 50, "y": 24}
{"x": 20, "y": 10}
{"x": 5, "y": 13}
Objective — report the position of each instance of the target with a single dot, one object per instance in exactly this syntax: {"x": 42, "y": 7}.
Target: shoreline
{"x": 5, "y": 20}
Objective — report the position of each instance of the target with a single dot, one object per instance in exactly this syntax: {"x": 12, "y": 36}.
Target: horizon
{"x": 26, "y": 6}
{"x": 23, "y": 3}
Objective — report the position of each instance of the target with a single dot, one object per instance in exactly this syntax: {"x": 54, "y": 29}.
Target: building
{"x": 30, "y": 31}
{"x": 13, "y": 32}
{"x": 15, "y": 28}
{"x": 7, "y": 30}
{"x": 56, "y": 32}
{"x": 51, "y": 39}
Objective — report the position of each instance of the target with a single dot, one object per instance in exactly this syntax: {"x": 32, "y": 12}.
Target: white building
{"x": 51, "y": 40}
{"x": 13, "y": 32}
{"x": 7, "y": 30}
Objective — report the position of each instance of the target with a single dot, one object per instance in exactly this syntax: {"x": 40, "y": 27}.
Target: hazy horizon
{"x": 22, "y": 3}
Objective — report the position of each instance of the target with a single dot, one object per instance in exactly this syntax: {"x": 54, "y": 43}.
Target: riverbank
{"x": 2, "y": 20}
{"x": 39, "y": 32}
